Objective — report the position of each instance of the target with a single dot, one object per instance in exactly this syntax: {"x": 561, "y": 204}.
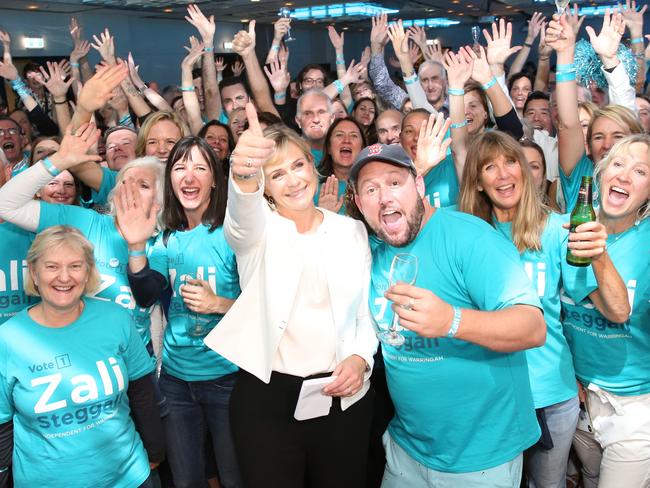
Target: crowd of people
{"x": 346, "y": 279}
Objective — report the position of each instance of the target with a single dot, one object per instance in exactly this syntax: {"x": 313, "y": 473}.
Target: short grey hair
{"x": 318, "y": 92}
{"x": 157, "y": 169}
{"x": 432, "y": 64}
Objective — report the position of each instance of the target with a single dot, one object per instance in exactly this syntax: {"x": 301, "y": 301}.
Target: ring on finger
{"x": 249, "y": 162}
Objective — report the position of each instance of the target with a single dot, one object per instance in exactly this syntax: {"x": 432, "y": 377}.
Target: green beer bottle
{"x": 582, "y": 212}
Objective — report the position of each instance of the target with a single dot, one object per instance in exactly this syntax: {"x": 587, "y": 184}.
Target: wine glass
{"x": 561, "y": 6}
{"x": 197, "y": 325}
{"x": 285, "y": 13}
{"x": 403, "y": 269}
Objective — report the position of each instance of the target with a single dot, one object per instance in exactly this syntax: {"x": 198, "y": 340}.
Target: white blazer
{"x": 269, "y": 273}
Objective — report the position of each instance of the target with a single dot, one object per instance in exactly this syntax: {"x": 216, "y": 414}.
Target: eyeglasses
{"x": 313, "y": 81}
{"x": 11, "y": 132}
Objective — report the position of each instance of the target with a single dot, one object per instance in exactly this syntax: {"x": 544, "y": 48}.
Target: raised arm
{"x": 561, "y": 38}
{"x": 338, "y": 42}
{"x": 17, "y": 204}
{"x": 543, "y": 63}
{"x": 81, "y": 69}
{"x": 459, "y": 70}
{"x": 432, "y": 145}
{"x": 151, "y": 95}
{"x": 54, "y": 81}
{"x": 244, "y": 224}
{"x": 190, "y": 99}
{"x": 9, "y": 72}
{"x": 280, "y": 29}
{"x": 279, "y": 77}
{"x": 206, "y": 28}
{"x": 634, "y": 23}
{"x": 377, "y": 70}
{"x": 606, "y": 43}
{"x": 535, "y": 25}
{"x": 244, "y": 45}
{"x": 400, "y": 42}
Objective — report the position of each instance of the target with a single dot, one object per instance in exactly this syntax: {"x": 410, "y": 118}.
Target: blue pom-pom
{"x": 588, "y": 64}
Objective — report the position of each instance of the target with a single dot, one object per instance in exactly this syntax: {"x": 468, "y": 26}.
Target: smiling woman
{"x": 498, "y": 186}
{"x": 63, "y": 334}
{"x": 302, "y": 315}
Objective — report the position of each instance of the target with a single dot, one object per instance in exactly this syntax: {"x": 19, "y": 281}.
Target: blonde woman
{"x": 610, "y": 355}
{"x": 303, "y": 314}
{"x": 75, "y": 379}
{"x": 499, "y": 188}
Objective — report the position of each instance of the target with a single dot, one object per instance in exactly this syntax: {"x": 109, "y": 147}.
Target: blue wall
{"x": 157, "y": 44}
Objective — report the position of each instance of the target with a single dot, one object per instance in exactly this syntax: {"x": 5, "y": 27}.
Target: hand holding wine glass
{"x": 403, "y": 270}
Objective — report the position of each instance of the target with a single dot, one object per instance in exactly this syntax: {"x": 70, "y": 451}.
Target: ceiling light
{"x": 32, "y": 7}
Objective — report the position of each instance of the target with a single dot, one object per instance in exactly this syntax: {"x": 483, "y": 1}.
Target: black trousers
{"x": 276, "y": 450}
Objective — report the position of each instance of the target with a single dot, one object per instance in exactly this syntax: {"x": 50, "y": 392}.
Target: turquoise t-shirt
{"x": 14, "y": 244}
{"x": 571, "y": 184}
{"x": 459, "y": 407}
{"x": 109, "y": 177}
{"x": 441, "y": 184}
{"x": 550, "y": 367}
{"x": 615, "y": 356}
{"x": 343, "y": 187}
{"x": 65, "y": 388}
{"x": 111, "y": 257}
{"x": 195, "y": 253}
{"x": 318, "y": 156}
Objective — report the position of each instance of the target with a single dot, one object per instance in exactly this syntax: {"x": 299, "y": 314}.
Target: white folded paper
{"x": 312, "y": 403}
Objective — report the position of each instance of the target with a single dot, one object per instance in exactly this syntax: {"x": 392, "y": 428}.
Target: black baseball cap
{"x": 388, "y": 153}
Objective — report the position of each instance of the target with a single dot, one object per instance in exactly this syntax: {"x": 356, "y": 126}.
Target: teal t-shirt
{"x": 109, "y": 177}
{"x": 571, "y": 184}
{"x": 111, "y": 257}
{"x": 14, "y": 244}
{"x": 318, "y": 156}
{"x": 65, "y": 388}
{"x": 459, "y": 407}
{"x": 441, "y": 184}
{"x": 615, "y": 356}
{"x": 195, "y": 253}
{"x": 550, "y": 367}
{"x": 343, "y": 187}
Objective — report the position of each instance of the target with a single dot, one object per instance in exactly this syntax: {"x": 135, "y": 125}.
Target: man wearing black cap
{"x": 459, "y": 381}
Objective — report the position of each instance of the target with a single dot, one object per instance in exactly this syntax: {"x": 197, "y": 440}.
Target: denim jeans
{"x": 196, "y": 408}
{"x": 403, "y": 471}
{"x": 547, "y": 468}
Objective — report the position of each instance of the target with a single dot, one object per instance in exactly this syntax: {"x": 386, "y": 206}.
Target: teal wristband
{"x": 567, "y": 76}
{"x": 74, "y": 65}
{"x": 459, "y": 125}
{"x": 49, "y": 166}
{"x": 279, "y": 96}
{"x": 208, "y": 49}
{"x": 339, "y": 86}
{"x": 636, "y": 40}
{"x": 411, "y": 79}
{"x": 457, "y": 92}
{"x": 559, "y": 68}
{"x": 275, "y": 47}
{"x": 489, "y": 84}
{"x": 340, "y": 62}
{"x": 135, "y": 254}
{"x": 188, "y": 88}
{"x": 453, "y": 329}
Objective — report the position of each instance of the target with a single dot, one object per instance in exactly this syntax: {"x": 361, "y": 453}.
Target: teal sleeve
{"x": 157, "y": 256}
{"x": 571, "y": 184}
{"x": 108, "y": 183}
{"x": 57, "y": 214}
{"x": 494, "y": 275}
{"x": 137, "y": 359}
{"x": 6, "y": 405}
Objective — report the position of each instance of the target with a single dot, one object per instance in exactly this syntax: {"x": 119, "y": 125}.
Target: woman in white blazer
{"x": 302, "y": 314}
